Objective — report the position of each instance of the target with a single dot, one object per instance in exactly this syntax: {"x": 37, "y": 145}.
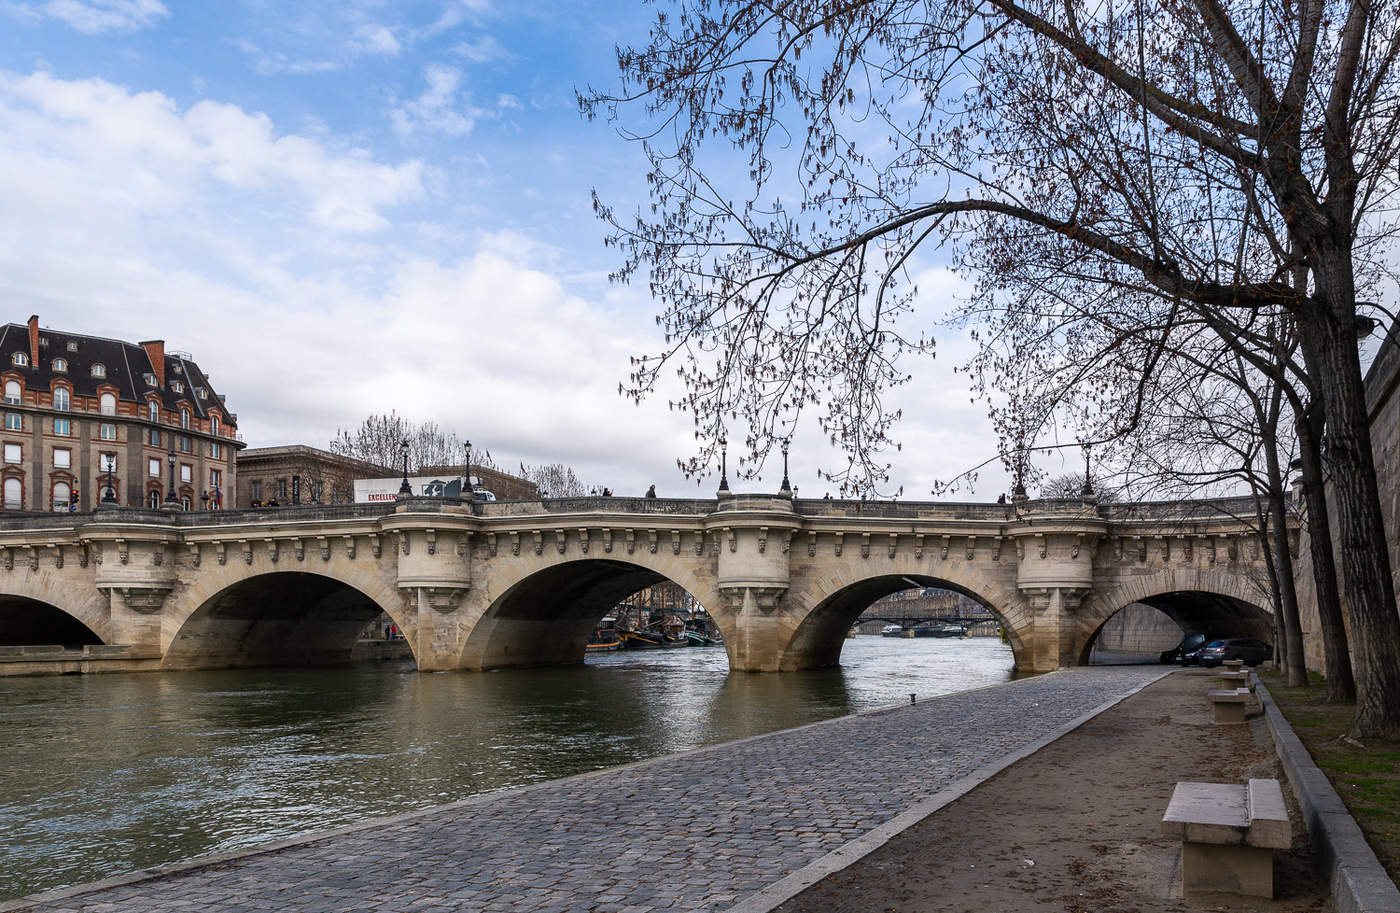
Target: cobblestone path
{"x": 695, "y": 832}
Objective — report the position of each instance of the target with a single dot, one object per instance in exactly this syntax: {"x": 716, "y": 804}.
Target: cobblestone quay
{"x": 696, "y": 831}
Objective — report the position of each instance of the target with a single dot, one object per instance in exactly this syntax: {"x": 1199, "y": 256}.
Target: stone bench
{"x": 1228, "y": 835}
{"x": 1233, "y": 679}
{"x": 1233, "y": 665}
{"x": 1227, "y": 704}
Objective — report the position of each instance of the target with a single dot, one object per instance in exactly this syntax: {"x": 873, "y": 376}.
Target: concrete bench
{"x": 1228, "y": 835}
{"x": 1231, "y": 679}
{"x": 1227, "y": 704}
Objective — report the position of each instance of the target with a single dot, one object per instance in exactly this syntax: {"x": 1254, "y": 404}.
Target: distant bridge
{"x": 477, "y": 586}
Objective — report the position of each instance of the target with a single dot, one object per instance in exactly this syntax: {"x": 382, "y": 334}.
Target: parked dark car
{"x": 1190, "y": 644}
{"x": 1253, "y": 652}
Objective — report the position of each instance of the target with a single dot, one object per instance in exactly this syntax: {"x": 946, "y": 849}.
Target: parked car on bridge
{"x": 1253, "y": 652}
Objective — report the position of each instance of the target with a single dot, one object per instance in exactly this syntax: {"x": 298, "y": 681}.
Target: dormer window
{"x": 153, "y": 410}
{"x": 60, "y": 399}
{"x": 201, "y": 392}
{"x": 60, "y": 365}
{"x": 177, "y": 387}
{"x": 184, "y": 418}
{"x": 20, "y": 359}
{"x": 178, "y": 369}
{"x": 150, "y": 379}
{"x": 213, "y": 424}
{"x": 72, "y": 346}
{"x": 43, "y": 340}
{"x": 99, "y": 370}
{"x": 14, "y": 393}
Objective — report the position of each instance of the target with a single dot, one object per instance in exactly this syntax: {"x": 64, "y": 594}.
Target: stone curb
{"x": 1358, "y": 882}
{"x": 778, "y": 893}
{"x": 154, "y": 873}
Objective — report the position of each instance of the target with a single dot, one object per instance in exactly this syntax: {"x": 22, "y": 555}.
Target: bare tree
{"x": 556, "y": 479}
{"x": 1062, "y": 148}
{"x": 379, "y": 439}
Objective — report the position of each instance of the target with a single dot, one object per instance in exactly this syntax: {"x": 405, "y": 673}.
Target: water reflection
{"x": 106, "y": 774}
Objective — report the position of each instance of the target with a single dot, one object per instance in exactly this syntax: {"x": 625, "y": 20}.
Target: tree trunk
{"x": 1329, "y": 343}
{"x": 1341, "y": 687}
{"x": 1267, "y": 550}
{"x": 1283, "y": 572}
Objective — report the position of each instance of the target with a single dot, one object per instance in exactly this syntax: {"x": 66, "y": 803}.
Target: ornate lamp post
{"x": 723, "y": 465}
{"x": 405, "y": 490}
{"x": 469, "y": 470}
{"x": 172, "y": 500}
{"x": 109, "y": 495}
{"x": 787, "y": 486}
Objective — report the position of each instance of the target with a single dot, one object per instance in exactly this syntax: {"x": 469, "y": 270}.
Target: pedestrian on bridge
{"x": 651, "y": 492}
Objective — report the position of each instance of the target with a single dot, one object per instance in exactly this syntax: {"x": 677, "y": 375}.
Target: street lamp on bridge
{"x": 787, "y": 486}
{"x": 723, "y": 465}
{"x": 469, "y": 471}
{"x": 109, "y": 494}
{"x": 405, "y": 489}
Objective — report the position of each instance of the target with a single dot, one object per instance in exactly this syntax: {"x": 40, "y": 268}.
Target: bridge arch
{"x": 544, "y": 613}
{"x": 836, "y": 600}
{"x": 43, "y": 608}
{"x": 278, "y": 616}
{"x": 1216, "y": 601}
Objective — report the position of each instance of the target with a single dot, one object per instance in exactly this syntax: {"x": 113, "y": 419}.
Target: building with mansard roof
{"x": 84, "y": 416}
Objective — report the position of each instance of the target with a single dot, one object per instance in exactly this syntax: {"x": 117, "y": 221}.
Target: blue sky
{"x": 358, "y": 206}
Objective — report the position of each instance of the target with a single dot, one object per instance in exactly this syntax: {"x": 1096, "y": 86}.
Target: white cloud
{"x": 86, "y": 130}
{"x": 376, "y": 39}
{"x": 93, "y": 17}
{"x": 441, "y": 107}
{"x": 481, "y": 50}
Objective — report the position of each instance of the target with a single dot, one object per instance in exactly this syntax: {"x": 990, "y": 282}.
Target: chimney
{"x": 155, "y": 351}
{"x": 34, "y": 339}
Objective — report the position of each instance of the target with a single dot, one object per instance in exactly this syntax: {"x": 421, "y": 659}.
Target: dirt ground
{"x": 1077, "y": 826}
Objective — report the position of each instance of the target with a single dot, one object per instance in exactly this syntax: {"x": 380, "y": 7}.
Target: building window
{"x": 184, "y": 418}
{"x": 60, "y": 365}
{"x": 186, "y": 473}
{"x": 216, "y": 478}
{"x": 216, "y": 450}
{"x": 14, "y": 393}
{"x": 99, "y": 370}
{"x": 13, "y": 453}
{"x": 186, "y": 446}
{"x": 213, "y": 424}
{"x": 107, "y": 432}
{"x": 153, "y": 436}
{"x": 153, "y": 500}
{"x": 153, "y": 410}
{"x": 14, "y": 421}
{"x": 107, "y": 461}
{"x": 282, "y": 488}
{"x": 150, "y": 379}
{"x": 256, "y": 491}
{"x": 153, "y": 467}
{"x": 201, "y": 392}
{"x": 61, "y": 399}
{"x": 62, "y": 496}
{"x": 185, "y": 503}
{"x": 62, "y": 427}
{"x": 108, "y": 404}
{"x": 315, "y": 488}
{"x": 20, "y": 359}
{"x": 72, "y": 346}
{"x": 14, "y": 494}
{"x": 62, "y": 458}
{"x": 177, "y": 387}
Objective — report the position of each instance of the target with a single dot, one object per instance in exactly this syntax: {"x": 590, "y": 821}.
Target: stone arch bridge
{"x": 478, "y": 586}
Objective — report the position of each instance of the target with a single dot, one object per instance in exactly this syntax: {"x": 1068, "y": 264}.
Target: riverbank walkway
{"x": 706, "y": 830}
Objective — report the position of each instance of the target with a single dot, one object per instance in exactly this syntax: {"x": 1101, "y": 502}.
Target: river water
{"x": 105, "y": 774}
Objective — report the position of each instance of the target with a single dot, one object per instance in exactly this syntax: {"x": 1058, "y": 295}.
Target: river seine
{"x": 105, "y": 774}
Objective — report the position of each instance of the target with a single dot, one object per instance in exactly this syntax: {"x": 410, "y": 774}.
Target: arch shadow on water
{"x": 25, "y": 621}
{"x": 286, "y": 618}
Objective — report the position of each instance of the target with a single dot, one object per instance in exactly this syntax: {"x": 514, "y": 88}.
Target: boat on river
{"x": 940, "y": 630}
{"x": 651, "y": 640}
{"x": 892, "y": 631}
{"x": 698, "y": 639}
{"x": 603, "y": 641}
